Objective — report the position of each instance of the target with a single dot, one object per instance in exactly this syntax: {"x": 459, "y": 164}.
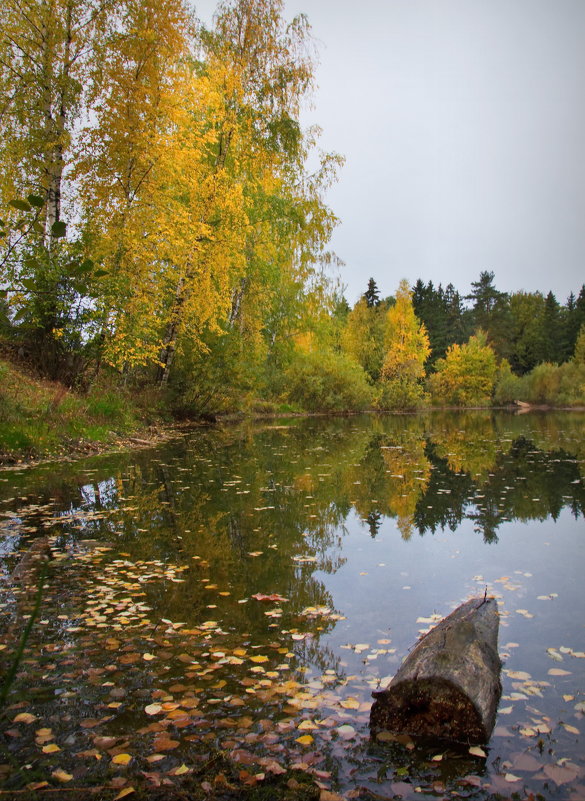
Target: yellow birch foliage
{"x": 262, "y": 68}
{"x": 160, "y": 219}
{"x": 467, "y": 374}
{"x": 363, "y": 336}
{"x": 407, "y": 342}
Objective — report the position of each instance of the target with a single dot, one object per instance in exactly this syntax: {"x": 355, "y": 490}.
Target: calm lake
{"x": 246, "y": 588}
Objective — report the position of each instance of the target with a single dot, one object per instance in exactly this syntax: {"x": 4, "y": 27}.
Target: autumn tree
{"x": 407, "y": 349}
{"x": 363, "y": 337}
{"x": 466, "y": 376}
{"x": 47, "y": 51}
{"x": 261, "y": 69}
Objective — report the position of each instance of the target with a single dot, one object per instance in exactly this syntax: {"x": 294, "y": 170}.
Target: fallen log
{"x": 449, "y": 685}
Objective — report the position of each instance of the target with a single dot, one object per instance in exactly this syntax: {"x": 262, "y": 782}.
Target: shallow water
{"x": 355, "y": 535}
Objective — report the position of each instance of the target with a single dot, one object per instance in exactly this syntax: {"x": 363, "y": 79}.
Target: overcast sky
{"x": 463, "y": 127}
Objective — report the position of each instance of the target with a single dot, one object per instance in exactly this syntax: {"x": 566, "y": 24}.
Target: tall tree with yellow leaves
{"x": 153, "y": 206}
{"x": 408, "y": 348}
{"x": 262, "y": 68}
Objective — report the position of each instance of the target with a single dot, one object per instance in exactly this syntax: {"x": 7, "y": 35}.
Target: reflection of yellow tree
{"x": 468, "y": 442}
{"x": 408, "y": 471}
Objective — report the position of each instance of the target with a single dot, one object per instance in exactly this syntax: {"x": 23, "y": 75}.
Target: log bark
{"x": 449, "y": 685}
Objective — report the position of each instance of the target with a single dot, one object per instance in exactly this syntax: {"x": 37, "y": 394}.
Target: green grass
{"x": 44, "y": 418}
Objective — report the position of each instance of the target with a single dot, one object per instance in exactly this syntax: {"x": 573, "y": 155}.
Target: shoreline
{"x": 154, "y": 435}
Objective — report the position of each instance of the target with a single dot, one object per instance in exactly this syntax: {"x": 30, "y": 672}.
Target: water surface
{"x": 246, "y": 588}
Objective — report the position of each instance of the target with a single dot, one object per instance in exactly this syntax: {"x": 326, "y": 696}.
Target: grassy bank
{"x": 40, "y": 418}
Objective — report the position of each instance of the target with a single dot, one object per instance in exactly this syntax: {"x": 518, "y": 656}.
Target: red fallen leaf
{"x": 165, "y": 744}
{"x": 242, "y": 756}
{"x": 104, "y": 742}
{"x": 247, "y": 778}
{"x": 260, "y": 596}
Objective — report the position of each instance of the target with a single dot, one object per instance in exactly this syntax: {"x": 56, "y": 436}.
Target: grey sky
{"x": 463, "y": 127}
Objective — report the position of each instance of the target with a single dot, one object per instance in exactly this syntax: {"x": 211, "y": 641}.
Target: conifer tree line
{"x": 432, "y": 344}
{"x": 160, "y": 227}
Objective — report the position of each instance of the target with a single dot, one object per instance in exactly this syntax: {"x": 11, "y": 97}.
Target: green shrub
{"x": 400, "y": 394}
{"x": 508, "y": 387}
{"x": 326, "y": 381}
{"x": 543, "y": 384}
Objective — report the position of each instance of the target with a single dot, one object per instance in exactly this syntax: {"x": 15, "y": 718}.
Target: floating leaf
{"x": 510, "y": 777}
{"x": 475, "y": 750}
{"x": 571, "y": 729}
{"x": 124, "y": 793}
{"x": 346, "y": 732}
{"x": 519, "y": 674}
{"x": 52, "y": 748}
{"x": 62, "y": 775}
{"x": 259, "y": 658}
{"x": 153, "y": 709}
{"x": 559, "y": 672}
{"x": 122, "y": 759}
{"x": 24, "y": 717}
{"x": 350, "y": 703}
{"x": 305, "y": 739}
{"x": 560, "y": 774}
{"x": 307, "y": 725}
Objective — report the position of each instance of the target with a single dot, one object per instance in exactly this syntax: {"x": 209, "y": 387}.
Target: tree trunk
{"x": 449, "y": 686}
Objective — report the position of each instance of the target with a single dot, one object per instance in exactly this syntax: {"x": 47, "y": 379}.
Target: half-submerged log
{"x": 449, "y": 685}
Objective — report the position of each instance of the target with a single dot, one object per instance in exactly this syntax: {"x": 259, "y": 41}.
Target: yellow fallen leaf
{"x": 259, "y": 658}
{"x": 121, "y": 759}
{"x": 52, "y": 748}
{"x": 305, "y": 739}
{"x": 61, "y": 775}
{"x": 559, "y": 672}
{"x": 124, "y": 793}
{"x": 350, "y": 703}
{"x": 307, "y": 725}
{"x": 437, "y": 758}
{"x": 148, "y": 657}
{"x": 153, "y": 709}
{"x": 24, "y": 717}
{"x": 475, "y": 750}
{"x": 180, "y": 770}
{"x": 509, "y": 777}
{"x": 571, "y": 729}
{"x": 519, "y": 674}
